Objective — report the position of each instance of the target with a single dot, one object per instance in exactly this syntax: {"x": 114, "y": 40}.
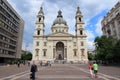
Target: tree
{"x": 107, "y": 48}
{"x": 27, "y": 56}
{"x": 116, "y": 51}
{"x": 90, "y": 56}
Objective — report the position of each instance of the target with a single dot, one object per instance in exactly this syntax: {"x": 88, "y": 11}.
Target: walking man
{"x": 33, "y": 70}
{"x": 95, "y": 68}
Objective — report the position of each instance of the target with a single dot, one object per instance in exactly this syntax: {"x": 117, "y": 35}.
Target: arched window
{"x": 80, "y": 19}
{"x": 38, "y": 32}
{"x": 81, "y": 32}
{"x": 39, "y": 19}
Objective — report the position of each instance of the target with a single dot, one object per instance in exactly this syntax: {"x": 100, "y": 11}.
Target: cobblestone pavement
{"x": 59, "y": 72}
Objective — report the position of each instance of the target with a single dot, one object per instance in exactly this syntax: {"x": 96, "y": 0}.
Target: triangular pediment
{"x": 60, "y": 34}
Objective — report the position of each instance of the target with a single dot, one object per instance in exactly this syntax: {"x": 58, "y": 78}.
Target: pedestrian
{"x": 40, "y": 63}
{"x": 50, "y": 63}
{"x": 18, "y": 64}
{"x": 33, "y": 70}
{"x": 28, "y": 63}
{"x": 91, "y": 69}
{"x": 95, "y": 68}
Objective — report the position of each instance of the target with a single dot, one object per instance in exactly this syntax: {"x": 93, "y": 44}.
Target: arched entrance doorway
{"x": 59, "y": 51}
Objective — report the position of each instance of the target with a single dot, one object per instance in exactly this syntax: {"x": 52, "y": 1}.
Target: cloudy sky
{"x": 93, "y": 12}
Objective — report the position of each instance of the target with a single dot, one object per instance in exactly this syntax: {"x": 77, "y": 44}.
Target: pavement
{"x": 59, "y": 72}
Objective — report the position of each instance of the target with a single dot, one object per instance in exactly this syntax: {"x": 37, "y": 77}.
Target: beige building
{"x": 111, "y": 22}
{"x": 60, "y": 45}
{"x": 11, "y": 32}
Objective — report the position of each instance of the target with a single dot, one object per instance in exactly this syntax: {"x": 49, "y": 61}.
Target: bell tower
{"x": 79, "y": 23}
{"x": 39, "y": 29}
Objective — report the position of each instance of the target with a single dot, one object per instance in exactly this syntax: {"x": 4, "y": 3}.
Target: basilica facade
{"x": 60, "y": 45}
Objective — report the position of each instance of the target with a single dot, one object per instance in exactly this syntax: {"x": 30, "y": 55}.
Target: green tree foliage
{"x": 26, "y": 56}
{"x": 90, "y": 56}
{"x": 116, "y": 51}
{"x": 107, "y": 48}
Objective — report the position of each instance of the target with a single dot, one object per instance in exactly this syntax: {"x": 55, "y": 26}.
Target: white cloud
{"x": 98, "y": 27}
{"x": 35, "y": 6}
{"x": 90, "y": 45}
{"x": 90, "y": 39}
{"x": 90, "y": 35}
{"x": 13, "y": 5}
{"x": 27, "y": 46}
{"x": 89, "y": 8}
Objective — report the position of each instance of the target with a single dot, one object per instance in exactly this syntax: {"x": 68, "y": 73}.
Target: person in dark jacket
{"x": 33, "y": 70}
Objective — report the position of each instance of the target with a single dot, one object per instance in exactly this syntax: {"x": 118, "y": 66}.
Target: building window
{"x": 45, "y": 43}
{"x": 82, "y": 44}
{"x": 75, "y": 52}
{"x": 38, "y": 32}
{"x": 39, "y": 19}
{"x": 44, "y": 52}
{"x": 80, "y": 19}
{"x": 109, "y": 32}
{"x": 1, "y": 24}
{"x": 81, "y": 32}
{"x": 118, "y": 21}
{"x": 37, "y": 51}
{"x": 37, "y": 43}
{"x": 82, "y": 52}
{"x": 74, "y": 43}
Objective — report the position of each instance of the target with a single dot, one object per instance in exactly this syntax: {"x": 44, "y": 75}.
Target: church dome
{"x": 59, "y": 19}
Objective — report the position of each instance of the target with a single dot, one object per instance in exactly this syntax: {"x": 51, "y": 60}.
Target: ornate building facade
{"x": 60, "y": 45}
{"x": 111, "y": 22}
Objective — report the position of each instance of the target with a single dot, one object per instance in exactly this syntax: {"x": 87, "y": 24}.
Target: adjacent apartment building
{"x": 11, "y": 32}
{"x": 111, "y": 22}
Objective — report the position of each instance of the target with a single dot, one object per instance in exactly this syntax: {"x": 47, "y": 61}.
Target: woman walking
{"x": 91, "y": 69}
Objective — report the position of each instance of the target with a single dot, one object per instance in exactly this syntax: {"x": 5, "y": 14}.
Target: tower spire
{"x": 41, "y": 10}
{"x": 78, "y": 10}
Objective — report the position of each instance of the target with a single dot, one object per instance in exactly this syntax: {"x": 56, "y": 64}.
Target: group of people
{"x": 93, "y": 69}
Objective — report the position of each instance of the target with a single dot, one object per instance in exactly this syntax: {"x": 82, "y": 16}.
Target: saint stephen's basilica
{"x": 60, "y": 45}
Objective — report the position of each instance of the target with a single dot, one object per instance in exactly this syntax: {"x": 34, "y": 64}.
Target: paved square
{"x": 59, "y": 72}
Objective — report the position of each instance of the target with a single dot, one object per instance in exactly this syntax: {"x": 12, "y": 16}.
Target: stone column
{"x": 65, "y": 53}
